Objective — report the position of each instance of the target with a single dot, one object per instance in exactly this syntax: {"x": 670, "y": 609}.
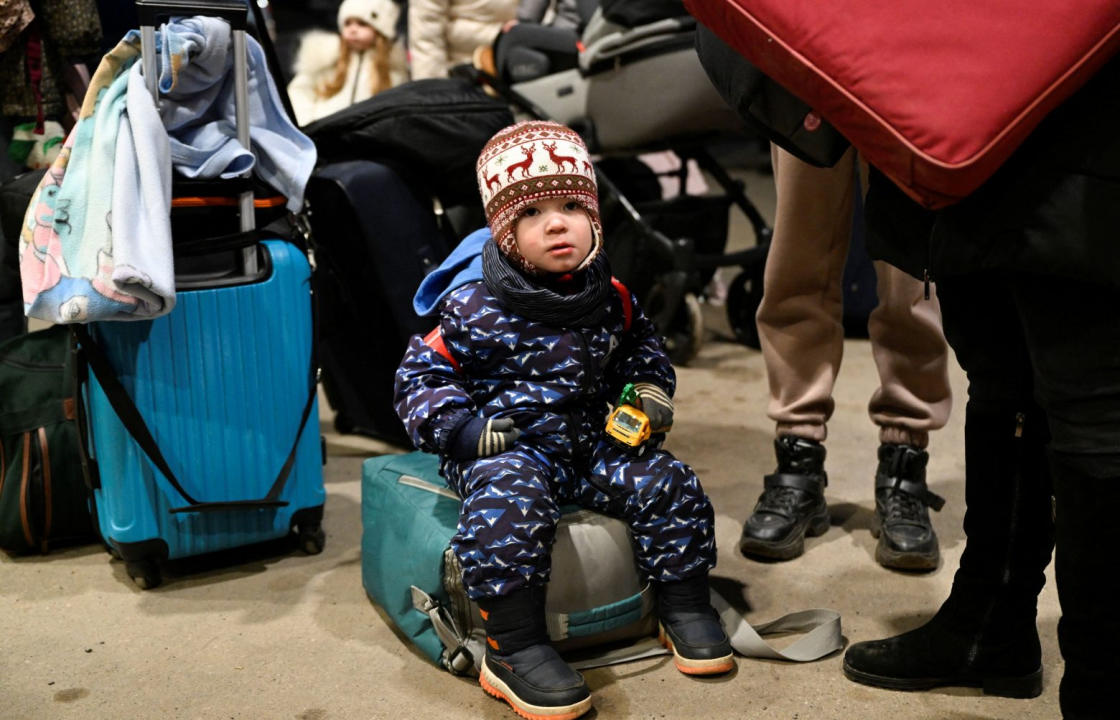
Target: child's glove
{"x": 480, "y": 437}
{"x": 655, "y": 403}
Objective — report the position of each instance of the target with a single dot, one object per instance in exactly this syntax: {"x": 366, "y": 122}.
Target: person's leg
{"x": 800, "y": 326}
{"x": 913, "y": 398}
{"x": 985, "y": 633}
{"x": 1074, "y": 339}
{"x": 673, "y": 527}
{"x": 503, "y": 544}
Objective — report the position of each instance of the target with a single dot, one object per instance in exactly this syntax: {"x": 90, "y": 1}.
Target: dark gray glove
{"x": 655, "y": 403}
{"x": 480, "y": 437}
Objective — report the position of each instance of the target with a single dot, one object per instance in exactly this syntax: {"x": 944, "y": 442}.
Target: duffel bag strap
{"x": 461, "y": 651}
{"x": 822, "y": 628}
{"x": 639, "y": 650}
{"x": 591, "y": 622}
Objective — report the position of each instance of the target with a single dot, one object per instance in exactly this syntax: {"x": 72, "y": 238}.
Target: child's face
{"x": 554, "y": 234}
{"x": 358, "y": 35}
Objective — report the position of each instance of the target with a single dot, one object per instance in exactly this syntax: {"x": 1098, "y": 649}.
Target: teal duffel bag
{"x": 408, "y": 518}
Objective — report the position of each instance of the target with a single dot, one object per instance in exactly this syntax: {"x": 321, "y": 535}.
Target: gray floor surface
{"x": 267, "y": 633}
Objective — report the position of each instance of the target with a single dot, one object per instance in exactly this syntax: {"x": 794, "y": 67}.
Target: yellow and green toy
{"x": 627, "y": 426}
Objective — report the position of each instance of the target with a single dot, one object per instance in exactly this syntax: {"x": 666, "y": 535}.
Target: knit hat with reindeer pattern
{"x": 532, "y": 161}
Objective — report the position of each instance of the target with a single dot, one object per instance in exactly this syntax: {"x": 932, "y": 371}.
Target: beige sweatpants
{"x": 800, "y": 317}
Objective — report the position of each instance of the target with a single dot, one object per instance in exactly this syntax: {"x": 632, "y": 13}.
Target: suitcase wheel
{"x": 145, "y": 573}
{"x": 312, "y": 538}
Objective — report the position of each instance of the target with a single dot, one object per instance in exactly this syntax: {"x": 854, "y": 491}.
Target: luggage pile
{"x": 196, "y": 419}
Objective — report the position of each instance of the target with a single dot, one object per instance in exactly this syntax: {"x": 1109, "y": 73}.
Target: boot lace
{"x": 903, "y": 508}
{"x": 781, "y": 501}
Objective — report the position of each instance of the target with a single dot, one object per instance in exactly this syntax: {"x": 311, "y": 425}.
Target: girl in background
{"x": 333, "y": 72}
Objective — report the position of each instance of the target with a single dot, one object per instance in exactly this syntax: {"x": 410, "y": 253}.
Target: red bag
{"x": 936, "y": 95}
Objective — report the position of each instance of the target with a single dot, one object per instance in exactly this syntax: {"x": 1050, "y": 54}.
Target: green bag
{"x": 595, "y": 598}
{"x": 44, "y": 500}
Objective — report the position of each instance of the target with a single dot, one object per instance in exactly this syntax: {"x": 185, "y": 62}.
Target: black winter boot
{"x": 792, "y": 504}
{"x": 902, "y": 502}
{"x": 521, "y": 667}
{"x": 984, "y": 635}
{"x": 1086, "y": 569}
{"x": 690, "y": 627}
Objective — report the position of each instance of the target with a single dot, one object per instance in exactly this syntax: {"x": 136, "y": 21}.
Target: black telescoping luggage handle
{"x": 134, "y": 423}
{"x": 235, "y": 12}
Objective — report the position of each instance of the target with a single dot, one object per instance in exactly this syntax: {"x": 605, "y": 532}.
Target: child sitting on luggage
{"x": 512, "y": 389}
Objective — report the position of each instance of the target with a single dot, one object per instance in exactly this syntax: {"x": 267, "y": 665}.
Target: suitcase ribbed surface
{"x": 221, "y": 382}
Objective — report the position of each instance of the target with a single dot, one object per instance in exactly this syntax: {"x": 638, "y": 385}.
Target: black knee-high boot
{"x": 1086, "y": 569}
{"x": 985, "y": 634}
{"x": 521, "y": 667}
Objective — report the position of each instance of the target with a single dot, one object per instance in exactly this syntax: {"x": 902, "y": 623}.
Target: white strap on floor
{"x": 822, "y": 628}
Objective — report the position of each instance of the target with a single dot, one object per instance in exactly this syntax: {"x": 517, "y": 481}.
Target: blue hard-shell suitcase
{"x": 202, "y": 432}
{"x": 224, "y": 384}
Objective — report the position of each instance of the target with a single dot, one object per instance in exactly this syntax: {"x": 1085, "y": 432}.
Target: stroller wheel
{"x": 743, "y": 299}
{"x": 684, "y": 331}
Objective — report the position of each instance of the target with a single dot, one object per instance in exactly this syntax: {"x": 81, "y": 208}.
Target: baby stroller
{"x": 666, "y": 250}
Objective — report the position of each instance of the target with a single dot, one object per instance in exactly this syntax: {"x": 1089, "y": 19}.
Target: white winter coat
{"x": 444, "y": 33}
{"x": 315, "y": 63}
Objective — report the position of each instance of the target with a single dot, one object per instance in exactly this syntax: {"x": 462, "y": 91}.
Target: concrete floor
{"x": 267, "y": 633}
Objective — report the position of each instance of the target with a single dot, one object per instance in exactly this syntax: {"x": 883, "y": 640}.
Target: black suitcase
{"x": 376, "y": 238}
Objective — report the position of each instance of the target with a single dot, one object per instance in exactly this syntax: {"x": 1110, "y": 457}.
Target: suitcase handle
{"x": 129, "y": 415}
{"x": 235, "y": 12}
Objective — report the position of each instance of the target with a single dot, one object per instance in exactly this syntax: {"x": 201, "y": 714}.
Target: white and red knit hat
{"x": 531, "y": 161}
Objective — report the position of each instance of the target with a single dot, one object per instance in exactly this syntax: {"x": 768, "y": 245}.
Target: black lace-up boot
{"x": 690, "y": 627}
{"x": 521, "y": 667}
{"x": 792, "y": 503}
{"x": 985, "y": 634}
{"x": 907, "y": 540}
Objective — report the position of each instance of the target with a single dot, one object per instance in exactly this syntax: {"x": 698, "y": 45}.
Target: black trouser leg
{"x": 1074, "y": 338}
{"x": 1086, "y": 569}
{"x": 985, "y": 633}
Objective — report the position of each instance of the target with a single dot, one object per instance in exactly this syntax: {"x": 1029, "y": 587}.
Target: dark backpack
{"x": 44, "y": 500}
{"x": 429, "y": 132}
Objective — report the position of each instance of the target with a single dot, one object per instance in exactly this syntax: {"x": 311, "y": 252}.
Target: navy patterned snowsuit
{"x": 555, "y": 384}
